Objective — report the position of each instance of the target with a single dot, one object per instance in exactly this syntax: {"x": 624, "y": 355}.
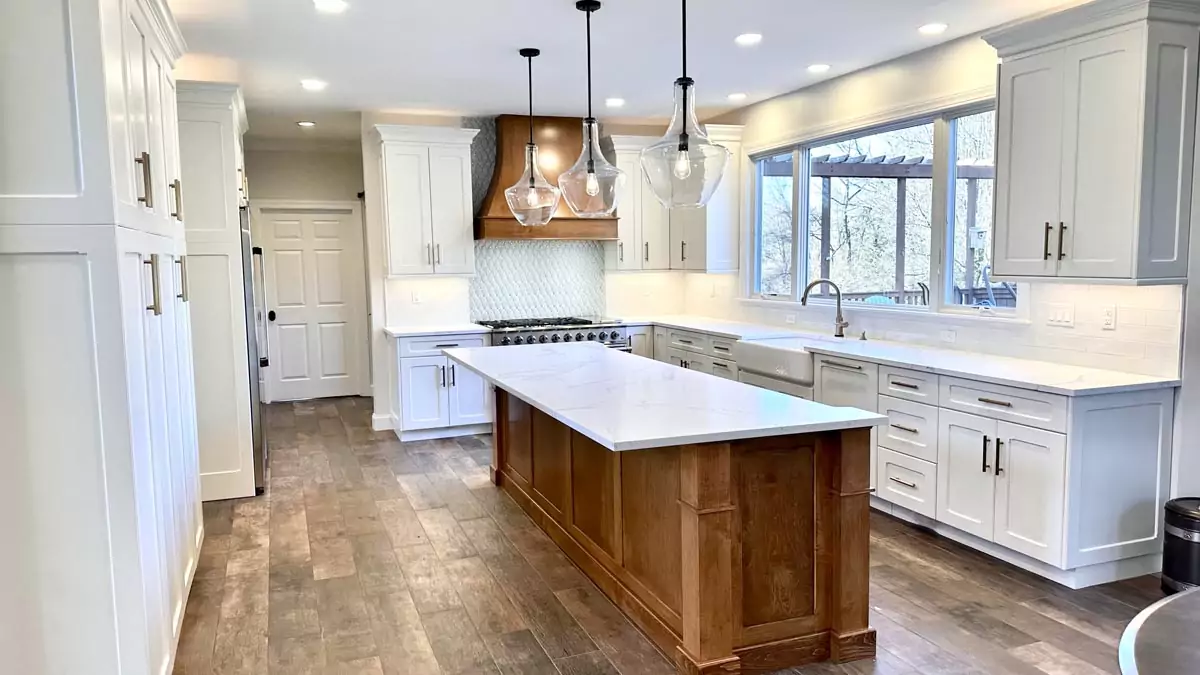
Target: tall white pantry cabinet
{"x": 103, "y": 524}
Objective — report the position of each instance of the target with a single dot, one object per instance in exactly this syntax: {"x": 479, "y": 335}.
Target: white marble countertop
{"x": 435, "y": 329}
{"x": 627, "y": 402}
{"x": 728, "y": 329}
{"x": 1054, "y": 378}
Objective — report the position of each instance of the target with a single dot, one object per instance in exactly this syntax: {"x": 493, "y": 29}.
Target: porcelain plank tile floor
{"x": 368, "y": 555}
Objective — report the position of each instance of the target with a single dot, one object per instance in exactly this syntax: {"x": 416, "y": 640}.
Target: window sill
{"x": 960, "y": 316}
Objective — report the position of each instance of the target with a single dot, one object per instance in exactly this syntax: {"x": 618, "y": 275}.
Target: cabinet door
{"x": 698, "y": 363}
{"x": 1030, "y": 473}
{"x": 157, "y": 72}
{"x": 469, "y": 397}
{"x": 175, "y": 452}
{"x": 846, "y": 383}
{"x": 132, "y": 186}
{"x": 406, "y": 201}
{"x": 723, "y": 368}
{"x": 661, "y": 349}
{"x": 677, "y": 357}
{"x": 641, "y": 340}
{"x": 1101, "y": 139}
{"x": 627, "y": 250}
{"x": 172, "y": 173}
{"x": 1028, "y": 165}
{"x": 452, "y": 210}
{"x": 424, "y": 402}
{"x": 687, "y": 238}
{"x": 965, "y": 484}
{"x": 655, "y": 230}
{"x": 187, "y": 404}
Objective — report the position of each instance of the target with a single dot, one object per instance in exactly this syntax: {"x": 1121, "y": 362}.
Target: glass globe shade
{"x": 532, "y": 199}
{"x": 591, "y": 187}
{"x": 684, "y": 168}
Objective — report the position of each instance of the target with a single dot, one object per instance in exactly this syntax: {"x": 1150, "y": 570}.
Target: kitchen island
{"x": 730, "y": 523}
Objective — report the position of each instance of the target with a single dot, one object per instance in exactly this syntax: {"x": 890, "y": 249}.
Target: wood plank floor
{"x": 368, "y": 555}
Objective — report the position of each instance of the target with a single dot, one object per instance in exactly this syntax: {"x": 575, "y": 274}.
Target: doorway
{"x": 316, "y": 298}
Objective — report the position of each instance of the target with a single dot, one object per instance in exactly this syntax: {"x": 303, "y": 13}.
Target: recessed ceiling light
{"x": 614, "y": 102}
{"x": 819, "y": 68}
{"x": 331, "y": 6}
{"x": 748, "y": 39}
{"x": 306, "y": 124}
{"x": 933, "y": 29}
{"x": 739, "y": 96}
{"x": 313, "y": 85}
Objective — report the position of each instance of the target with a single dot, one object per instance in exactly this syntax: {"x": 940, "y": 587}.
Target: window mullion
{"x": 940, "y": 240}
{"x": 800, "y": 173}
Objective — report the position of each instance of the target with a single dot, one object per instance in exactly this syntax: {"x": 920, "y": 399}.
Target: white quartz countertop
{"x": 626, "y": 402}
{"x": 1044, "y": 376}
{"x": 728, "y": 329}
{"x": 435, "y": 329}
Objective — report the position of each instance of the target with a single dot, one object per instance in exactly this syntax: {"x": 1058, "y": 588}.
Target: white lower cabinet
{"x": 424, "y": 403}
{"x": 966, "y": 491}
{"x": 641, "y": 341}
{"x": 468, "y": 398}
{"x": 1030, "y": 470}
{"x": 434, "y": 396}
{"x": 853, "y": 384}
{"x": 907, "y": 481}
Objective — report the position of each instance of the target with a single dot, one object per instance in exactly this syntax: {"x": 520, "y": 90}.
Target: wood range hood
{"x": 559, "y": 140}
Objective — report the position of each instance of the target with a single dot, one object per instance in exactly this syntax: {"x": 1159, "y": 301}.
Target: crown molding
{"x": 413, "y": 133}
{"x": 1087, "y": 19}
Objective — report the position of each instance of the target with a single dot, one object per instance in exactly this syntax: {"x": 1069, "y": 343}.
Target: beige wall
{"x": 303, "y": 174}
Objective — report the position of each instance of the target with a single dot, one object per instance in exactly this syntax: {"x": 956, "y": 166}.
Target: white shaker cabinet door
{"x": 1028, "y": 160}
{"x": 409, "y": 222}
{"x": 1030, "y": 472}
{"x": 656, "y": 228}
{"x": 641, "y": 340}
{"x": 470, "y": 398}
{"x": 965, "y": 484}
{"x": 629, "y": 203}
{"x": 1101, "y": 145}
{"x": 451, "y": 210}
{"x": 424, "y": 401}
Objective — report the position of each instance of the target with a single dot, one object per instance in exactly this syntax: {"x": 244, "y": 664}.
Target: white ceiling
{"x": 460, "y": 56}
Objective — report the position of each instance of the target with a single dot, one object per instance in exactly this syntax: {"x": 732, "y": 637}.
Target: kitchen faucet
{"x": 839, "y": 322}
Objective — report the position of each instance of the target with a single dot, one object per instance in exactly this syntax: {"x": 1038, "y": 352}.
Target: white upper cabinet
{"x": 1096, "y": 112}
{"x": 642, "y": 222}
{"x": 428, "y": 210}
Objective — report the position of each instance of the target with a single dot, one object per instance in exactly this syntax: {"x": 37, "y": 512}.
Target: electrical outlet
{"x": 789, "y": 318}
{"x": 1060, "y": 314}
{"x": 949, "y": 336}
{"x": 1109, "y": 318}
{"x": 416, "y": 297}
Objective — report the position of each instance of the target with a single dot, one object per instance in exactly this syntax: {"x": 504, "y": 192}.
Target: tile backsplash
{"x": 534, "y": 279}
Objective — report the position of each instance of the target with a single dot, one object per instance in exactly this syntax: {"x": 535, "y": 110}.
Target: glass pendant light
{"x": 684, "y": 168}
{"x": 591, "y": 186}
{"x": 532, "y": 199}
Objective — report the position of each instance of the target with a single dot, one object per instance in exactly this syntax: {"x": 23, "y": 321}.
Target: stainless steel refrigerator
{"x": 258, "y": 351}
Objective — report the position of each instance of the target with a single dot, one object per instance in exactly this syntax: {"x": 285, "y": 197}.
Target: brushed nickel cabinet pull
{"x": 437, "y": 253}
{"x": 177, "y": 187}
{"x": 912, "y": 486}
{"x": 840, "y": 365}
{"x": 155, "y": 292}
{"x": 621, "y": 251}
{"x": 904, "y": 428}
{"x": 905, "y": 385}
{"x": 143, "y": 160}
{"x": 1046, "y": 242}
{"x": 646, "y": 251}
{"x": 992, "y": 401}
{"x": 1062, "y": 229}
{"x": 183, "y": 278}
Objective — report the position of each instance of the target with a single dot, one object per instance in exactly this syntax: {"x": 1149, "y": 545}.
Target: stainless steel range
{"x": 609, "y": 332}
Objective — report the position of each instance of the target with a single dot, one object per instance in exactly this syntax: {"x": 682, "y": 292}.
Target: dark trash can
{"x": 1181, "y": 547}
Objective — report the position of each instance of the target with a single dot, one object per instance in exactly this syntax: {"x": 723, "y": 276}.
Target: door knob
{"x": 271, "y": 315}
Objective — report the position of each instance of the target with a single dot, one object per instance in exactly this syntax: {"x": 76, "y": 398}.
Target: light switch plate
{"x": 416, "y": 298}
{"x": 1060, "y": 314}
{"x": 1108, "y": 320}
{"x": 789, "y": 318}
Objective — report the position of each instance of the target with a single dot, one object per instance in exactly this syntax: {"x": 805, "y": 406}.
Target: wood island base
{"x": 734, "y": 557}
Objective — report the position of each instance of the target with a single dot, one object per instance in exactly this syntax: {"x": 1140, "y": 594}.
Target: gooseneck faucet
{"x": 839, "y": 322}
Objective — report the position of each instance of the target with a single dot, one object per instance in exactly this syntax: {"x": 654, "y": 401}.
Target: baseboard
{"x": 1076, "y": 578}
{"x": 381, "y": 422}
{"x": 447, "y": 432}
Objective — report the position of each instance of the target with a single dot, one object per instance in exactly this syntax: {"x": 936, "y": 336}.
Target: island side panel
{"x": 847, "y": 459}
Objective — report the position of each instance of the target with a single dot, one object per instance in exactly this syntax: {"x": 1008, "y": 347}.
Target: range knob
{"x": 579, "y": 337}
{"x": 555, "y": 338}
{"x": 519, "y": 339}
{"x": 591, "y": 336}
{"x": 567, "y": 337}
{"x": 542, "y": 339}
{"x": 506, "y": 341}
{"x": 613, "y": 335}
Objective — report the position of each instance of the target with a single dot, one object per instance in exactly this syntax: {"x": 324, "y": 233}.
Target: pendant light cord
{"x": 685, "y": 38}
{"x": 590, "y": 119}
{"x": 530, "y": 60}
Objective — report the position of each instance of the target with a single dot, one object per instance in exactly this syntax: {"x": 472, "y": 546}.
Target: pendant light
{"x": 591, "y": 186}
{"x": 532, "y": 199}
{"x": 684, "y": 168}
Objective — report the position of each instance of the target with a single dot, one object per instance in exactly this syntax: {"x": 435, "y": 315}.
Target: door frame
{"x": 357, "y": 278}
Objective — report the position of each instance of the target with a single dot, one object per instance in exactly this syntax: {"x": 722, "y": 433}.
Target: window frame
{"x": 942, "y": 217}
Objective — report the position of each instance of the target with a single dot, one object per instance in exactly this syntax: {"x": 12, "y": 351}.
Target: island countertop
{"x": 627, "y": 402}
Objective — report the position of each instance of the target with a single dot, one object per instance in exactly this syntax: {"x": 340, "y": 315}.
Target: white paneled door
{"x": 316, "y": 299}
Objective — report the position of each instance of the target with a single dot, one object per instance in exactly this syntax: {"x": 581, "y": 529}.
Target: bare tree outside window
{"x": 775, "y": 225}
{"x": 974, "y": 190}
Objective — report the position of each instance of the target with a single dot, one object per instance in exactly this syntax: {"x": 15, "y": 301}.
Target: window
{"x": 970, "y": 281}
{"x": 870, "y": 219}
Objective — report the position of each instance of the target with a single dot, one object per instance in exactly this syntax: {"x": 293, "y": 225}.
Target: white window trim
{"x": 943, "y": 196}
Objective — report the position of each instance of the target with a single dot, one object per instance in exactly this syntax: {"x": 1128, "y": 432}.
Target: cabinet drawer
{"x": 1031, "y": 408}
{"x": 907, "y": 481}
{"x": 725, "y": 369}
{"x": 912, "y": 385}
{"x": 912, "y": 428}
{"x": 692, "y": 342}
{"x": 434, "y": 344}
{"x": 721, "y": 347}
